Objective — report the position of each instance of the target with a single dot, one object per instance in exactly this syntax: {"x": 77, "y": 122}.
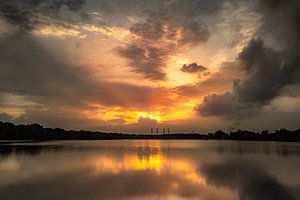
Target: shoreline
{"x": 36, "y": 132}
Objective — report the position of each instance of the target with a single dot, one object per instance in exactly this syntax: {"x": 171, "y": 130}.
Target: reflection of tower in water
{"x": 151, "y": 155}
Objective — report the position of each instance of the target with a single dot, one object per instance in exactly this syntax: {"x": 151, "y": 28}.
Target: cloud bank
{"x": 267, "y": 70}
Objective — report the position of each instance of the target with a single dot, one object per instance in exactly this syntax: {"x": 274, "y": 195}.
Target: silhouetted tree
{"x": 9, "y": 131}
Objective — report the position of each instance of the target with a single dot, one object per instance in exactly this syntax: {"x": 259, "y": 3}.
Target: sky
{"x": 129, "y": 65}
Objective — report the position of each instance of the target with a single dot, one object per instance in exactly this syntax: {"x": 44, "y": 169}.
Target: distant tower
{"x": 151, "y": 131}
{"x": 168, "y": 131}
{"x": 164, "y": 131}
{"x": 156, "y": 130}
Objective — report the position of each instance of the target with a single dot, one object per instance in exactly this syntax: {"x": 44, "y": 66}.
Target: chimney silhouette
{"x": 156, "y": 130}
{"x": 168, "y": 131}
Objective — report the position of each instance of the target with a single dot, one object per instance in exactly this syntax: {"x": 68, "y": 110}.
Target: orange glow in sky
{"x": 90, "y": 64}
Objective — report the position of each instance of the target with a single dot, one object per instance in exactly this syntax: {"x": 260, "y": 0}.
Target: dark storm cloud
{"x": 268, "y": 71}
{"x": 159, "y": 36}
{"x": 217, "y": 105}
{"x": 26, "y": 14}
{"x": 251, "y": 181}
{"x": 193, "y": 68}
{"x": 226, "y": 105}
{"x": 37, "y": 74}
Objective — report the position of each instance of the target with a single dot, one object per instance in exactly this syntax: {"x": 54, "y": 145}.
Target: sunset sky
{"x": 129, "y": 65}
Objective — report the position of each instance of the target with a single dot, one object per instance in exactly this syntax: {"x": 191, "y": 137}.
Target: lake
{"x": 150, "y": 169}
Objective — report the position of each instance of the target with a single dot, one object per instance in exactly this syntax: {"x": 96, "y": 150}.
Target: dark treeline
{"x": 9, "y": 131}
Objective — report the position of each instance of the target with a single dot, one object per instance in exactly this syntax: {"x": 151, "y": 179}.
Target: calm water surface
{"x": 150, "y": 169}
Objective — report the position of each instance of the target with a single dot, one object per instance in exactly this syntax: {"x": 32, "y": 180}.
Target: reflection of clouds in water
{"x": 125, "y": 178}
{"x": 251, "y": 181}
{"x": 142, "y": 170}
{"x": 157, "y": 163}
{"x": 149, "y": 173}
{"x": 105, "y": 186}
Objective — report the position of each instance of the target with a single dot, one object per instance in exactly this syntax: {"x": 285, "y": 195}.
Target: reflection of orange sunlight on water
{"x": 153, "y": 160}
{"x": 129, "y": 163}
{"x": 155, "y": 163}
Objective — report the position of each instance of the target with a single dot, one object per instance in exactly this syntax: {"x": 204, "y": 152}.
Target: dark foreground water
{"x": 153, "y": 169}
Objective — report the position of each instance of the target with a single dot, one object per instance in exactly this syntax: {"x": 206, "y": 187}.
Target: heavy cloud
{"x": 36, "y": 72}
{"x": 268, "y": 71}
{"x": 162, "y": 34}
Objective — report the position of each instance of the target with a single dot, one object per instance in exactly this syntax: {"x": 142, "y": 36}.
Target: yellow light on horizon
{"x": 157, "y": 116}
{"x": 181, "y": 110}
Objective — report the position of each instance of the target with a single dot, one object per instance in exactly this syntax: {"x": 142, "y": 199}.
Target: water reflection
{"x": 251, "y": 181}
{"x": 144, "y": 170}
